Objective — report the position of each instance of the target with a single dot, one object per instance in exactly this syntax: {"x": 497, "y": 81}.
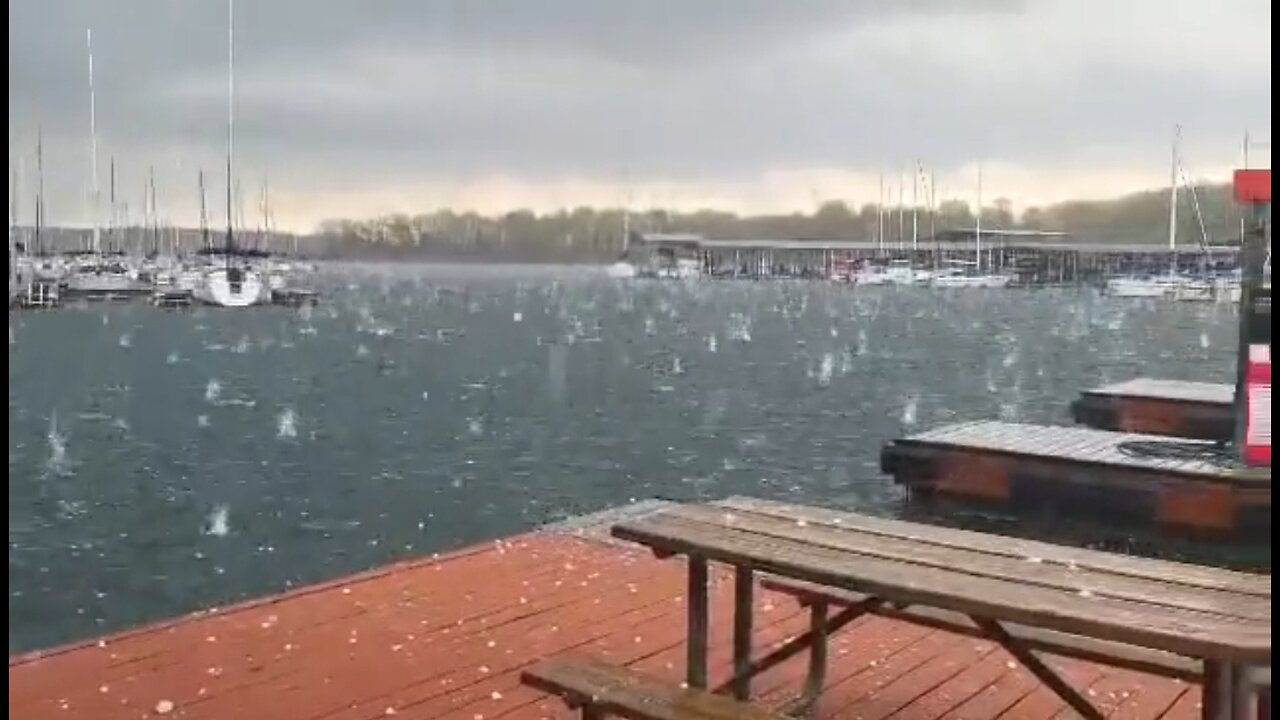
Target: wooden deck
{"x": 1133, "y": 477}
{"x": 1160, "y": 407}
{"x": 445, "y": 638}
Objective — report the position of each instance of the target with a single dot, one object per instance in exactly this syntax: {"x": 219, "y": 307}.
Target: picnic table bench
{"x": 1171, "y": 618}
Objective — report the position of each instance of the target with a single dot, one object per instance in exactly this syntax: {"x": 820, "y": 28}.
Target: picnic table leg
{"x": 817, "y": 675}
{"x": 744, "y": 583}
{"x": 1219, "y": 691}
{"x": 1244, "y": 696}
{"x": 995, "y": 631}
{"x": 696, "y": 643}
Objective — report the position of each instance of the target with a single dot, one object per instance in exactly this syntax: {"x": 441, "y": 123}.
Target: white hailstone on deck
{"x": 164, "y": 707}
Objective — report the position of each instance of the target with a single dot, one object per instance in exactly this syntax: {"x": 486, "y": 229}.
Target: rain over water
{"x": 161, "y": 462}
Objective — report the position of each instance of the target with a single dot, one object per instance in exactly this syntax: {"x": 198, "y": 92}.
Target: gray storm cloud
{"x": 356, "y": 107}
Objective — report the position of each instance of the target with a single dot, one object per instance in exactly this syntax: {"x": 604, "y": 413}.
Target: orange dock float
{"x": 1160, "y": 407}
{"x": 1130, "y": 477}
{"x": 446, "y": 638}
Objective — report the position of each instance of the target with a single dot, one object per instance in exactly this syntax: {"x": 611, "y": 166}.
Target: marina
{"x": 1153, "y": 406}
{"x": 593, "y": 370}
{"x": 439, "y": 638}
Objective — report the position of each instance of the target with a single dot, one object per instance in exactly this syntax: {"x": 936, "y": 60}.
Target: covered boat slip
{"x": 1006, "y": 589}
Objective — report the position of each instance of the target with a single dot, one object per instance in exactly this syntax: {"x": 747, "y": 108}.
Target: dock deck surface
{"x": 1176, "y": 408}
{"x": 1169, "y": 390}
{"x": 1071, "y": 444}
{"x": 445, "y": 638}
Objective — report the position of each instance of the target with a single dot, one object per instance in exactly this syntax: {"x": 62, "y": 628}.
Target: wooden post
{"x": 817, "y": 676}
{"x": 744, "y": 583}
{"x": 696, "y": 643}
{"x": 1215, "y": 703}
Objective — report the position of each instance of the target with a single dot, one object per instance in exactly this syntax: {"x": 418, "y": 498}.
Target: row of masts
{"x": 152, "y": 224}
{"x": 926, "y": 183}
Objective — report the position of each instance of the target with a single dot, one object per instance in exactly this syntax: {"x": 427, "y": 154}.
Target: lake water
{"x": 164, "y": 461}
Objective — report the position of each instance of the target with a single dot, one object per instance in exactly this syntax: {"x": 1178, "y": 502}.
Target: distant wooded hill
{"x": 586, "y": 234}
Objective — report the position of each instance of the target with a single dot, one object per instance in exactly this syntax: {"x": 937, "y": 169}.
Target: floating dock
{"x": 1147, "y": 479}
{"x": 445, "y": 638}
{"x": 39, "y": 295}
{"x": 1160, "y": 407}
{"x": 173, "y": 298}
{"x": 293, "y": 297}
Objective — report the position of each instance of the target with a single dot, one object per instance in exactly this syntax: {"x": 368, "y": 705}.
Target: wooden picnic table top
{"x": 1196, "y": 611}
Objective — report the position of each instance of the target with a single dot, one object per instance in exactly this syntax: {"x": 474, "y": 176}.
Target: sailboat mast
{"x": 94, "y": 192}
{"x": 880, "y": 214}
{"x": 155, "y": 210}
{"x": 915, "y": 207}
{"x": 204, "y": 211}
{"x": 902, "y": 208}
{"x": 977, "y": 234}
{"x": 231, "y": 94}
{"x": 39, "y": 187}
{"x": 1173, "y": 198}
{"x": 113, "y": 222}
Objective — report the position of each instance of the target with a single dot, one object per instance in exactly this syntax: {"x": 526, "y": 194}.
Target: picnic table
{"x": 1219, "y": 618}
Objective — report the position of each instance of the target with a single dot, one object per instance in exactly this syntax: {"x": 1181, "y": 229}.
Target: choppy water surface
{"x": 163, "y": 461}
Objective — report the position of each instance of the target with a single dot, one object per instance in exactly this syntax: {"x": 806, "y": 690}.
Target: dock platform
{"x": 1135, "y": 478}
{"x": 294, "y": 297}
{"x": 173, "y": 298}
{"x": 1160, "y": 407}
{"x": 445, "y": 638}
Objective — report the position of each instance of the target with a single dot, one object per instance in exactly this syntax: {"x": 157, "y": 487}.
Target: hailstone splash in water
{"x": 1204, "y": 340}
{"x": 475, "y": 426}
{"x": 217, "y": 524}
{"x": 286, "y": 424}
{"x": 862, "y": 341}
{"x": 126, "y": 340}
{"x": 826, "y": 369}
{"x": 172, "y": 358}
{"x": 212, "y": 391}
{"x": 711, "y": 343}
{"x": 909, "y": 409}
{"x": 57, "y": 462}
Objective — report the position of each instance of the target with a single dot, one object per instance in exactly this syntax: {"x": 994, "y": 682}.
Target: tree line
{"x": 597, "y": 234}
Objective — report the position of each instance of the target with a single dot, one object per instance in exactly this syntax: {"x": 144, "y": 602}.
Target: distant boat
{"x": 235, "y": 284}
{"x": 1171, "y": 285}
{"x": 897, "y": 272}
{"x": 975, "y": 278}
{"x": 621, "y": 270}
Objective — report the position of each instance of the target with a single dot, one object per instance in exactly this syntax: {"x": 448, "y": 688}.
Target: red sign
{"x": 1257, "y": 433}
{"x": 1253, "y": 186}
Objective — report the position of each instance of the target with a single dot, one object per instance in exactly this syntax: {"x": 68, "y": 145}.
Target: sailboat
{"x": 1170, "y": 285}
{"x": 976, "y": 278}
{"x": 95, "y": 274}
{"x": 234, "y": 284}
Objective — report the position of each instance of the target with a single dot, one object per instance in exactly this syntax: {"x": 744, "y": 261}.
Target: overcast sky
{"x": 355, "y": 108}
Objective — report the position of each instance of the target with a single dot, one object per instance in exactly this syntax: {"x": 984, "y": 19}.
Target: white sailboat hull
{"x": 621, "y": 270}
{"x": 232, "y": 288}
{"x": 1140, "y": 288}
{"x": 970, "y": 282}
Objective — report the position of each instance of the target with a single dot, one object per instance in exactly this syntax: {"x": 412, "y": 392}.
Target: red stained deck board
{"x": 445, "y": 638}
